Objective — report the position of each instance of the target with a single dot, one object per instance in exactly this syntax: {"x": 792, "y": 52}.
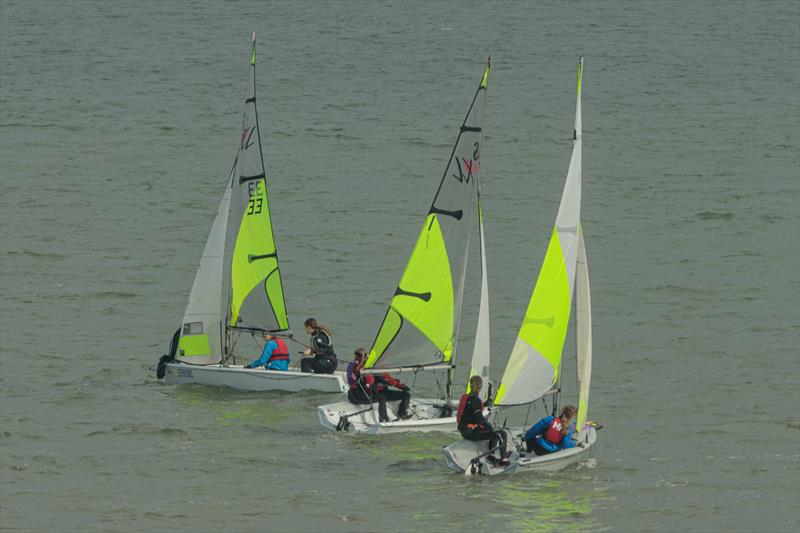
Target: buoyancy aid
{"x": 553, "y": 432}
{"x": 281, "y": 353}
{"x": 462, "y": 405}
{"x": 356, "y": 380}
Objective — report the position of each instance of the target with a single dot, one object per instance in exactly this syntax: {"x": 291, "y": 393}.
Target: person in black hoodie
{"x": 473, "y": 426}
{"x": 324, "y": 358}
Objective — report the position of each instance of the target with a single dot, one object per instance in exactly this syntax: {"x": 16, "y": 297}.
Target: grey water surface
{"x": 119, "y": 122}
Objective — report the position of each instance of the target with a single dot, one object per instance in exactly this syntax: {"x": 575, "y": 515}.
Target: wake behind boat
{"x": 421, "y": 325}
{"x": 238, "y": 289}
{"x": 534, "y": 367}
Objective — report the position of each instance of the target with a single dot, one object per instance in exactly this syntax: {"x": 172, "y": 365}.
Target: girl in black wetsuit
{"x": 324, "y": 360}
{"x": 473, "y": 426}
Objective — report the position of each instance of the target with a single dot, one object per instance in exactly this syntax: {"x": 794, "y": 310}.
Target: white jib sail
{"x": 481, "y": 355}
{"x": 583, "y": 317}
{"x": 535, "y": 359}
{"x": 201, "y": 340}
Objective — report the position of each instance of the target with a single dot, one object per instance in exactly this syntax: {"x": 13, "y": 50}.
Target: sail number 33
{"x": 256, "y": 202}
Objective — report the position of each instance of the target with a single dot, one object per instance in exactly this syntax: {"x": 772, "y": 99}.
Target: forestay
{"x": 536, "y": 356}
{"x": 421, "y": 324}
{"x": 256, "y": 297}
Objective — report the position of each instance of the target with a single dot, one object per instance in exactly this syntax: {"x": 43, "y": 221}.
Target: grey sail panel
{"x": 201, "y": 340}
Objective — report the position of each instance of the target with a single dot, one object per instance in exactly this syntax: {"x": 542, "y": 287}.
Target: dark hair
{"x": 312, "y": 323}
{"x": 475, "y": 382}
{"x": 568, "y": 411}
{"x": 361, "y": 352}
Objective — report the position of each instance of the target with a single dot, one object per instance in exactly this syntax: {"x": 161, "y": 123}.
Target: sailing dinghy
{"x": 420, "y": 327}
{"x": 533, "y": 369}
{"x": 237, "y": 294}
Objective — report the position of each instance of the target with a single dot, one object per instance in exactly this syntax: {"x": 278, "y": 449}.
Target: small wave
{"x": 715, "y": 215}
{"x": 131, "y": 430}
{"x": 26, "y": 125}
{"x": 112, "y": 294}
{"x": 43, "y": 255}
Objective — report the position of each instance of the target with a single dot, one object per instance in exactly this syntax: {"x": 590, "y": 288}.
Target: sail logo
{"x": 247, "y": 134}
{"x": 256, "y": 202}
{"x": 470, "y": 166}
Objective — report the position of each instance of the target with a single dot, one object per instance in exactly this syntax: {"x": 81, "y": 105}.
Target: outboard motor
{"x": 161, "y": 369}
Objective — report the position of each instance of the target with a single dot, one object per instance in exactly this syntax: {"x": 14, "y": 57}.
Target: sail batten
{"x": 426, "y": 307}
{"x": 535, "y": 359}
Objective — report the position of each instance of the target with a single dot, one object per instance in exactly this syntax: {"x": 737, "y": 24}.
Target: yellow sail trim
{"x": 253, "y": 55}
{"x": 485, "y": 80}
{"x": 545, "y": 324}
{"x": 498, "y": 398}
{"x": 580, "y": 67}
{"x": 424, "y": 296}
{"x": 254, "y": 261}
{"x": 192, "y": 345}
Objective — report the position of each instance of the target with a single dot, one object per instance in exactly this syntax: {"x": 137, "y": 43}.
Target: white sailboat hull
{"x": 426, "y": 416}
{"x": 248, "y": 379}
{"x": 459, "y": 455}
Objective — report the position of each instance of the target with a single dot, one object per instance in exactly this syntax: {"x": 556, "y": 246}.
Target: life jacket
{"x": 462, "y": 405}
{"x": 281, "y": 353}
{"x": 553, "y": 433}
{"x": 356, "y": 380}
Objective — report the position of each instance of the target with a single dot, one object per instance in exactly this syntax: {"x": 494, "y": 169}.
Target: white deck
{"x": 249, "y": 379}
{"x": 426, "y": 415}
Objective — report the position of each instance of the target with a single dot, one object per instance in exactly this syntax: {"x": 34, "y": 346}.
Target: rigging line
{"x": 439, "y": 386}
{"x": 525, "y": 425}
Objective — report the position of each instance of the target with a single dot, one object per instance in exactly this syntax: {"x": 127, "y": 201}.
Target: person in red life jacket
{"x": 324, "y": 358}
{"x": 274, "y": 356}
{"x": 473, "y": 426}
{"x": 551, "y": 433}
{"x": 369, "y": 388}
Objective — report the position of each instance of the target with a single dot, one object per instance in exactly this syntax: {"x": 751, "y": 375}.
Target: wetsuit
{"x": 473, "y": 426}
{"x": 324, "y": 360}
{"x": 545, "y": 436}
